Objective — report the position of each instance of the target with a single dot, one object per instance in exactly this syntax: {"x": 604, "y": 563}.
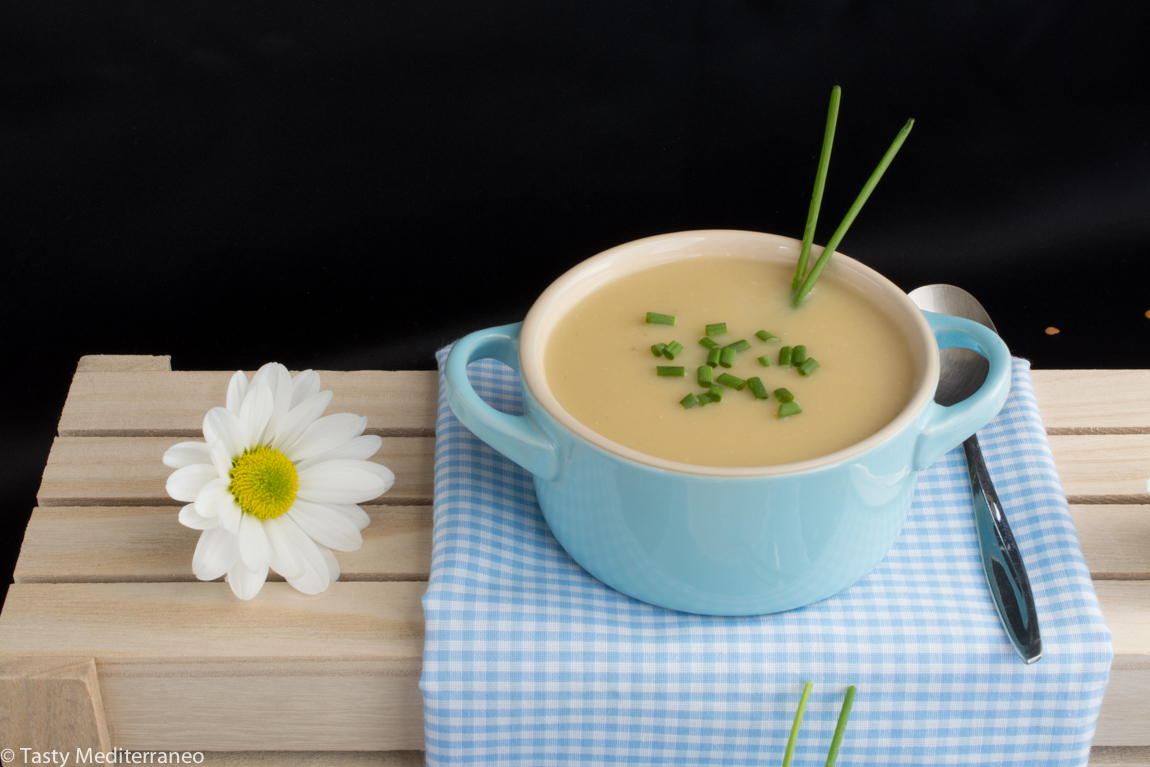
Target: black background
{"x": 354, "y": 184}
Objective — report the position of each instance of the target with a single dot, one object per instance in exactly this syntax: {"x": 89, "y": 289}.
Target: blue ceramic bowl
{"x": 710, "y": 540}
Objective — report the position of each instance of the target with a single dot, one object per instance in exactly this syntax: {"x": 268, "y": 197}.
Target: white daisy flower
{"x": 275, "y": 485}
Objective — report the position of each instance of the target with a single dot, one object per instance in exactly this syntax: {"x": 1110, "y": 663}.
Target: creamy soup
{"x": 599, "y": 365}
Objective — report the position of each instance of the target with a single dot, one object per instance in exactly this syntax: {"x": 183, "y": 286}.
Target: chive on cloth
{"x": 529, "y": 660}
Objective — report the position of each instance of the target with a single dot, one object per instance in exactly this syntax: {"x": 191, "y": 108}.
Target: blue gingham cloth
{"x": 529, "y": 660}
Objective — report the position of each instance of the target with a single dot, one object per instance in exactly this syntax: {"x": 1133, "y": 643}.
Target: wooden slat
{"x": 1118, "y": 401}
{"x": 119, "y": 363}
{"x": 324, "y": 759}
{"x": 128, "y": 471}
{"x": 1126, "y": 608}
{"x": 153, "y": 403}
{"x": 342, "y": 666}
{"x": 51, "y": 704}
{"x": 1115, "y": 540}
{"x": 1105, "y": 468}
{"x": 1120, "y": 756}
{"x": 108, "y": 544}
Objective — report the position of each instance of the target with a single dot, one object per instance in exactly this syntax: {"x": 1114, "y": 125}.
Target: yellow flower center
{"x": 264, "y": 482}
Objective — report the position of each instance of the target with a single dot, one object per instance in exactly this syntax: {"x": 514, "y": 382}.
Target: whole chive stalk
{"x": 765, "y": 336}
{"x": 657, "y": 349}
{"x": 872, "y": 182}
{"x": 717, "y": 329}
{"x": 798, "y": 355}
{"x": 809, "y": 366}
{"x": 716, "y": 393}
{"x": 671, "y": 351}
{"x": 736, "y": 383}
{"x": 655, "y": 318}
{"x": 667, "y": 370}
{"x": 704, "y": 341}
{"x": 782, "y": 395}
{"x": 841, "y": 727}
{"x": 727, "y": 356}
{"x": 704, "y": 375}
{"x": 689, "y": 401}
{"x": 790, "y": 754}
{"x": 785, "y": 356}
{"x": 789, "y": 409}
{"x": 756, "y": 386}
{"x": 820, "y": 182}
{"x": 740, "y": 346}
{"x": 714, "y": 356}
{"x": 765, "y": 361}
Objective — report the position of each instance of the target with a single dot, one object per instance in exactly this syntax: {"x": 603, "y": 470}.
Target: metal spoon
{"x": 962, "y": 372}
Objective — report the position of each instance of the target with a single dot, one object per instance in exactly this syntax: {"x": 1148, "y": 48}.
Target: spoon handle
{"x": 1001, "y": 560}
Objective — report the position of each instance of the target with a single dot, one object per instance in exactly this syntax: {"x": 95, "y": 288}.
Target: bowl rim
{"x": 647, "y": 252}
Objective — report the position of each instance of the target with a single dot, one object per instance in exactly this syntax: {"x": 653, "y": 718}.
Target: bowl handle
{"x": 947, "y": 427}
{"x": 516, "y": 436}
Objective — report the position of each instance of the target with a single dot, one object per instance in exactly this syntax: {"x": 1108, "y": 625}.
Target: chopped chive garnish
{"x": 704, "y": 374}
{"x": 765, "y": 336}
{"x": 741, "y": 345}
{"x": 716, "y": 394}
{"x": 789, "y": 408}
{"x": 841, "y": 728}
{"x": 837, "y": 237}
{"x": 726, "y": 356}
{"x": 704, "y": 341}
{"x": 672, "y": 350}
{"x": 703, "y": 399}
{"x": 784, "y": 396}
{"x": 736, "y": 383}
{"x": 717, "y": 329}
{"x": 785, "y": 356}
{"x": 790, "y": 753}
{"x": 798, "y": 355}
{"x": 809, "y": 366}
{"x": 714, "y": 356}
{"x": 657, "y": 349}
{"x": 668, "y": 370}
{"x": 765, "y": 361}
{"x": 756, "y": 386}
{"x": 660, "y": 319}
{"x": 817, "y": 194}
{"x": 689, "y": 401}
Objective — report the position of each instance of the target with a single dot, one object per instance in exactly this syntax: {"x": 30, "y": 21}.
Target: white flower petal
{"x": 221, "y": 459}
{"x": 317, "y": 576}
{"x": 185, "y": 454}
{"x": 215, "y": 501}
{"x": 292, "y": 426}
{"x": 278, "y": 380}
{"x": 244, "y": 582}
{"x": 253, "y": 543}
{"x": 256, "y": 412}
{"x": 341, "y": 481}
{"x": 327, "y": 434}
{"x": 361, "y": 448}
{"x": 304, "y": 385}
{"x": 189, "y": 517}
{"x": 332, "y": 563}
{"x": 222, "y": 425}
{"x": 283, "y": 556}
{"x": 215, "y": 554}
{"x": 358, "y": 516}
{"x": 237, "y": 390}
{"x": 327, "y": 526}
{"x": 186, "y": 483}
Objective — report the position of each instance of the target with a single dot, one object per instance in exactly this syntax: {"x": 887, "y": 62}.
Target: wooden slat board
{"x": 104, "y": 573}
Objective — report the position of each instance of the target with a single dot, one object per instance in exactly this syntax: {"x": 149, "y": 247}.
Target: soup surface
{"x": 599, "y": 365}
